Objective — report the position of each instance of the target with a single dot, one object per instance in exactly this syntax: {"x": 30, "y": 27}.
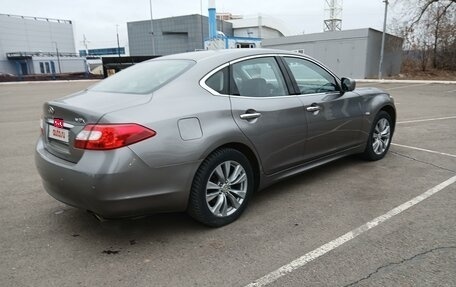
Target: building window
{"x": 244, "y": 45}
{"x": 52, "y": 67}
{"x": 42, "y": 67}
{"x": 47, "y": 68}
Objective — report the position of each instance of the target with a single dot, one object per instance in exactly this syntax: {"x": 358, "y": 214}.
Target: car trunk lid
{"x": 64, "y": 118}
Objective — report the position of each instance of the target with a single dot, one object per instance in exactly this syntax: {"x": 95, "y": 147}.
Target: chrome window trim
{"x": 318, "y": 64}
{"x": 203, "y": 80}
{"x": 252, "y": 57}
{"x": 208, "y": 75}
{"x": 203, "y": 84}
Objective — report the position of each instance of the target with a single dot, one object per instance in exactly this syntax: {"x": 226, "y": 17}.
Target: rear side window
{"x": 144, "y": 78}
{"x": 259, "y": 77}
{"x": 219, "y": 81}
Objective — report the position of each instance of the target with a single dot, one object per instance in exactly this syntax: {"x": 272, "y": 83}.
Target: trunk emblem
{"x": 51, "y": 110}
{"x": 58, "y": 123}
{"x": 79, "y": 120}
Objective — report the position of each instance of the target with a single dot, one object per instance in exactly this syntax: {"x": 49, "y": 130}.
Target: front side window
{"x": 144, "y": 78}
{"x": 259, "y": 77}
{"x": 310, "y": 77}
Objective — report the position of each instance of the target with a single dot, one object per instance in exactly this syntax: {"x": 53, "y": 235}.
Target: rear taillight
{"x": 111, "y": 136}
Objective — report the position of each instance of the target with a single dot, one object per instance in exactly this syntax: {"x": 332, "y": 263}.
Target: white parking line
{"x": 314, "y": 254}
{"x": 426, "y": 150}
{"x": 426, "y": 120}
{"x": 408, "y": 86}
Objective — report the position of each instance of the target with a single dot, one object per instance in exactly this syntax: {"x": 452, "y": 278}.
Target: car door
{"x": 334, "y": 119}
{"x": 270, "y": 117}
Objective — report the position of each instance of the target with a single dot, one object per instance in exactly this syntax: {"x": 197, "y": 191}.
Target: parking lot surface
{"x": 46, "y": 243}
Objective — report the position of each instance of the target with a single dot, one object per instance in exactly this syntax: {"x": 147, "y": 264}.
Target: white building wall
{"x": 266, "y": 32}
{"x": 6, "y": 67}
{"x": 270, "y": 27}
{"x": 28, "y": 34}
{"x": 67, "y": 64}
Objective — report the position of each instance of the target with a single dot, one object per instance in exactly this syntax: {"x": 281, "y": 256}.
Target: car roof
{"x": 210, "y": 59}
{"x": 225, "y": 54}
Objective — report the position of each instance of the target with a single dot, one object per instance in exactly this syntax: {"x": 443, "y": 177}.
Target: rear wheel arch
{"x": 220, "y": 192}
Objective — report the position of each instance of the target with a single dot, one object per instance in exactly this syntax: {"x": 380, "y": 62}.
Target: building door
{"x": 24, "y": 68}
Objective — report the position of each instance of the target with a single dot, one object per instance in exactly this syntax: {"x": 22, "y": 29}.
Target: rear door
{"x": 266, "y": 112}
{"x": 334, "y": 119}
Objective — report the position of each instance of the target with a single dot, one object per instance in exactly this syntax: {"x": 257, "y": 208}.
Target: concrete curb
{"x": 47, "y": 82}
{"x": 405, "y": 81}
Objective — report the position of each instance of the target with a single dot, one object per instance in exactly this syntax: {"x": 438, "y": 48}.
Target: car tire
{"x": 380, "y": 136}
{"x": 221, "y": 188}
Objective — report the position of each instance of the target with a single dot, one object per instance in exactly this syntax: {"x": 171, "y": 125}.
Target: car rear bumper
{"x": 115, "y": 183}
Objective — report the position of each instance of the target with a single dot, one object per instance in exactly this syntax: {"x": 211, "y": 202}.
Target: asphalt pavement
{"x": 46, "y": 243}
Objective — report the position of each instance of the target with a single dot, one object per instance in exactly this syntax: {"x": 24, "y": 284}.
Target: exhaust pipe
{"x": 97, "y": 216}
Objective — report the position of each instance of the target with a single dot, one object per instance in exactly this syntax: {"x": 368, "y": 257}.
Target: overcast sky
{"x": 97, "y": 19}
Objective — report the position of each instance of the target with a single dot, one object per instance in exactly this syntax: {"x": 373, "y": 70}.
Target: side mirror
{"x": 348, "y": 84}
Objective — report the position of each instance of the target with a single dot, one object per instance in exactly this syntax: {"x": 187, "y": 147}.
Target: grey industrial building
{"x": 172, "y": 35}
{"x": 29, "y": 45}
{"x": 349, "y": 53}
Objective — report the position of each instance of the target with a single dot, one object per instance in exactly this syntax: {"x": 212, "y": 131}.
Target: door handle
{"x": 313, "y": 108}
{"x": 250, "y": 116}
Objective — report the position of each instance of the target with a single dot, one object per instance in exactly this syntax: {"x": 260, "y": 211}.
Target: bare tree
{"x": 429, "y": 30}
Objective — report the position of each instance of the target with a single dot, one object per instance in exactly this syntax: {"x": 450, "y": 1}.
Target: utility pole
{"x": 202, "y": 30}
{"x": 260, "y": 25}
{"x": 152, "y": 28}
{"x": 118, "y": 45}
{"x": 85, "y": 42}
{"x": 58, "y": 56}
{"x": 380, "y": 65}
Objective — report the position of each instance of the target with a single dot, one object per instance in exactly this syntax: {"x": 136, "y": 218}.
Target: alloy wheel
{"x": 381, "y": 136}
{"x": 226, "y": 188}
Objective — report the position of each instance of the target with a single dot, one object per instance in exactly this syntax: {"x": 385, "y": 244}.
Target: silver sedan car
{"x": 201, "y": 131}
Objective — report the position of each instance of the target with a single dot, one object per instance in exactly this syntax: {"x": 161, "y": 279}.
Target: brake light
{"x": 111, "y": 136}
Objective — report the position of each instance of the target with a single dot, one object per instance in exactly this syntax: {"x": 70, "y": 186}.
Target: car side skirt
{"x": 268, "y": 180}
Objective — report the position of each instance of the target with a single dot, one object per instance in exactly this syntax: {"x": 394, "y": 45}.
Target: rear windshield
{"x": 143, "y": 78}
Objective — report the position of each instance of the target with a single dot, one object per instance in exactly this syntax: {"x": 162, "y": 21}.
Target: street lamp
{"x": 380, "y": 65}
{"x": 58, "y": 56}
{"x": 152, "y": 28}
{"x": 201, "y": 19}
{"x": 118, "y": 45}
